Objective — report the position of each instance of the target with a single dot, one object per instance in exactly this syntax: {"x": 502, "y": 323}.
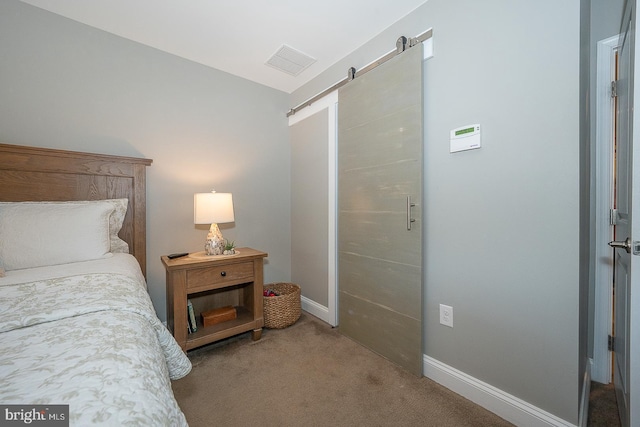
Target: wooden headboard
{"x": 42, "y": 174}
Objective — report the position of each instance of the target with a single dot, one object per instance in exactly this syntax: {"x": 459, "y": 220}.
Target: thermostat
{"x": 464, "y": 138}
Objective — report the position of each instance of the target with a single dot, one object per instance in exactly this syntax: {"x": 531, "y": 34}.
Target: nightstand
{"x": 213, "y": 282}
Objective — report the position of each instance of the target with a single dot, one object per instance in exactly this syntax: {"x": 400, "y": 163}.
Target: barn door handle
{"x": 409, "y": 206}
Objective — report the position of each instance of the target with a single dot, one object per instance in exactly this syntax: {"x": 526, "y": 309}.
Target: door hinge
{"x": 610, "y": 343}
{"x": 613, "y": 216}
{"x": 614, "y": 88}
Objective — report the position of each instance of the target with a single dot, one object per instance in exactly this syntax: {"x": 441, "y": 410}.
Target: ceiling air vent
{"x": 290, "y": 61}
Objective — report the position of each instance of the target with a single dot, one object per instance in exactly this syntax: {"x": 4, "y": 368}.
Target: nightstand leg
{"x": 256, "y": 334}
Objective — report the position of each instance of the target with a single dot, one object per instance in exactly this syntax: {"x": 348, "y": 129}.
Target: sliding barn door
{"x": 380, "y": 209}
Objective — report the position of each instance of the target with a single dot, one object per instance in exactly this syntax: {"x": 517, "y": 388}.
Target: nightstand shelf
{"x": 212, "y": 283}
{"x": 242, "y": 323}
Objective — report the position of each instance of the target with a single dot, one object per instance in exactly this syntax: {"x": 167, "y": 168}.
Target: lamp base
{"x": 214, "y": 245}
{"x": 203, "y": 255}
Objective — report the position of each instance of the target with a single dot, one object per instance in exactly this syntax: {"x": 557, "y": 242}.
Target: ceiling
{"x": 239, "y": 37}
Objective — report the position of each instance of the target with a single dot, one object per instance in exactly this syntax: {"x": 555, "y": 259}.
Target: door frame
{"x": 634, "y": 297}
{"x": 602, "y": 357}
{"x": 603, "y": 298}
{"x": 329, "y": 102}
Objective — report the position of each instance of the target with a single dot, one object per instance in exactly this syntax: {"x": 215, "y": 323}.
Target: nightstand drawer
{"x": 223, "y": 275}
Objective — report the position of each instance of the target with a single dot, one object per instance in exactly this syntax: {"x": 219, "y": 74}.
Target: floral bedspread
{"x": 91, "y": 341}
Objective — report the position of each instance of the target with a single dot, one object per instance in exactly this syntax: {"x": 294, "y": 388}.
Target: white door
{"x": 626, "y": 261}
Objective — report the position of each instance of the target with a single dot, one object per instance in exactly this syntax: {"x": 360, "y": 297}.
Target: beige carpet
{"x": 310, "y": 375}
{"x": 603, "y": 408}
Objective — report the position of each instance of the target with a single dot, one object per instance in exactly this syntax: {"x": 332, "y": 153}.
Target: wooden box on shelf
{"x": 218, "y": 315}
{"x": 211, "y": 283}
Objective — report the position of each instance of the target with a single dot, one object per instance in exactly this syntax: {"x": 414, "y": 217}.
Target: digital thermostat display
{"x": 463, "y": 131}
{"x": 465, "y": 138}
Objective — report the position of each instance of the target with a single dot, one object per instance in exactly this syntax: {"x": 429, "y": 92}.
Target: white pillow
{"x": 34, "y": 234}
{"x": 115, "y": 220}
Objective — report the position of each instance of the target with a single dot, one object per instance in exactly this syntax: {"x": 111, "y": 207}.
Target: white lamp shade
{"x": 210, "y": 208}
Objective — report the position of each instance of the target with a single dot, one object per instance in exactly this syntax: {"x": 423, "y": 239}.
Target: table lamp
{"x": 213, "y": 208}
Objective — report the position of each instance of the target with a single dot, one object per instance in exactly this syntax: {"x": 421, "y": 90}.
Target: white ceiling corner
{"x": 241, "y": 37}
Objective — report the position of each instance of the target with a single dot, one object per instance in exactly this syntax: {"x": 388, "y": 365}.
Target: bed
{"x": 77, "y": 326}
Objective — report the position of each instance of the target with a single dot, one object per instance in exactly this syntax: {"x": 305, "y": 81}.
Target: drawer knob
{"x": 223, "y": 273}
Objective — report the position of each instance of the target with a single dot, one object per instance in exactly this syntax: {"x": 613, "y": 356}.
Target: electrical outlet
{"x": 446, "y": 315}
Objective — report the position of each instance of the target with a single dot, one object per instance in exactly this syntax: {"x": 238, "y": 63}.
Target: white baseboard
{"x": 312, "y": 307}
{"x": 509, "y": 407}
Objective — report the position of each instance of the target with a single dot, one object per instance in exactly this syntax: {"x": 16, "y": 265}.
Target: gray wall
{"x": 66, "y": 85}
{"x": 501, "y": 223}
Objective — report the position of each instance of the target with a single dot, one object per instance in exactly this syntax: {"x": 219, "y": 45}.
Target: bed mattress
{"x": 86, "y": 335}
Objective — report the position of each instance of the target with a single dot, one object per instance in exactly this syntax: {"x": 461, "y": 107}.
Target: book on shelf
{"x": 191, "y": 317}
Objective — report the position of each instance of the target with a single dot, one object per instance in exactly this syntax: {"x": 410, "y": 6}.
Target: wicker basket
{"x": 284, "y": 309}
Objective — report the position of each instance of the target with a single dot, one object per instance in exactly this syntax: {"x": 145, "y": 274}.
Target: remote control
{"x": 178, "y": 255}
